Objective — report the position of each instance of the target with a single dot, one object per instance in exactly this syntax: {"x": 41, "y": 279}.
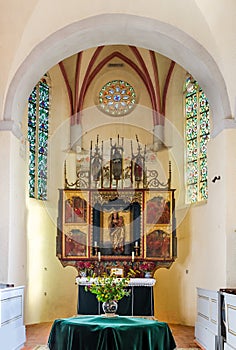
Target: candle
{"x": 136, "y": 244}
{"x": 132, "y": 256}
{"x": 95, "y": 243}
{"x": 99, "y": 256}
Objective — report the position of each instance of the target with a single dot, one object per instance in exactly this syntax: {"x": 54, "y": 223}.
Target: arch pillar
{"x": 13, "y": 268}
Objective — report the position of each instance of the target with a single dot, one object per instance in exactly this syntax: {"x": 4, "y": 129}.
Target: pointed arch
{"x": 98, "y": 30}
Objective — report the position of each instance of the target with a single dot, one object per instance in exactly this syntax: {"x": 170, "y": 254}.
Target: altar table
{"x": 139, "y": 303}
{"x": 110, "y": 333}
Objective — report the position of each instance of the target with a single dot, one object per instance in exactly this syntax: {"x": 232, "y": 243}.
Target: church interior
{"x": 117, "y": 141}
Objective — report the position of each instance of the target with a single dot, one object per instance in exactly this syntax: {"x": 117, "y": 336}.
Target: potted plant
{"x": 84, "y": 268}
{"x": 147, "y": 268}
{"x": 109, "y": 289}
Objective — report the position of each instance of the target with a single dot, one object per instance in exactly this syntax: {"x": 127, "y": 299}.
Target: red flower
{"x": 88, "y": 265}
{"x": 148, "y": 266}
{"x": 80, "y": 265}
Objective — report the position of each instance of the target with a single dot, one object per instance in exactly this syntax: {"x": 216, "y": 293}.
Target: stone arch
{"x": 101, "y": 30}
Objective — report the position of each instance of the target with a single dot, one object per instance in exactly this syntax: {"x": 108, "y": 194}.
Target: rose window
{"x": 117, "y": 98}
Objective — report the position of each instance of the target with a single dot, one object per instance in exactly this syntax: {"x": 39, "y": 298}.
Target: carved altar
{"x": 117, "y": 213}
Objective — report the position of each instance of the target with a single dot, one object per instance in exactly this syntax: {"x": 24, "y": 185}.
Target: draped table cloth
{"x": 110, "y": 333}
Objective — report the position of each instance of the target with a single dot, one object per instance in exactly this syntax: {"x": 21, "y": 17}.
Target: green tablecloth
{"x": 117, "y": 333}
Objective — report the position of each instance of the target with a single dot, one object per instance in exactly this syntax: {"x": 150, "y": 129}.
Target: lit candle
{"x": 95, "y": 243}
{"x": 99, "y": 256}
{"x": 132, "y": 256}
{"x": 136, "y": 244}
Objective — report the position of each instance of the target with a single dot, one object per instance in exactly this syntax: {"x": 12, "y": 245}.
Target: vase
{"x": 147, "y": 274}
{"x": 109, "y": 308}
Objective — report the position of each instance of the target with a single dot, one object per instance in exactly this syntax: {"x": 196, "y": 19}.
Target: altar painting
{"x": 158, "y": 208}
{"x": 76, "y": 208}
{"x": 75, "y": 242}
{"x": 158, "y": 244}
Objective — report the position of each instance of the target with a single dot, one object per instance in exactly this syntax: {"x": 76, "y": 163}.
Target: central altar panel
{"x": 116, "y": 221}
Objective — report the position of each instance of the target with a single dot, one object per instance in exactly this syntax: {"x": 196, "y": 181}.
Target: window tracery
{"x": 197, "y": 135}
{"x": 38, "y": 115}
{"x": 116, "y": 98}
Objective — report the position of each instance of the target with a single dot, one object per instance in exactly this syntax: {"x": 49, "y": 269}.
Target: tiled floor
{"x": 38, "y": 335}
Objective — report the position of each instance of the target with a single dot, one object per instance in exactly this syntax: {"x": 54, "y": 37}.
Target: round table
{"x": 110, "y": 333}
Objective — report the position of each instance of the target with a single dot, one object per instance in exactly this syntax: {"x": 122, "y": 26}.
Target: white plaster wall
{"x": 18, "y": 213}
{"x": 13, "y": 213}
{"x": 230, "y": 179}
{"x": 5, "y": 142}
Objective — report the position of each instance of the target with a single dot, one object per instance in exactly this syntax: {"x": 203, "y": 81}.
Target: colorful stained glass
{"x": 38, "y": 113}
{"x": 191, "y": 86}
{"x": 33, "y": 96}
{"x": 203, "y": 103}
{"x": 44, "y": 95}
{"x": 32, "y": 186}
{"x": 203, "y": 190}
{"x": 192, "y": 193}
{"x": 191, "y": 106}
{"x": 204, "y": 123}
{"x": 42, "y": 188}
{"x": 197, "y": 134}
{"x": 117, "y": 98}
{"x": 42, "y": 143}
{"x": 32, "y": 138}
{"x": 191, "y": 128}
{"x": 203, "y": 169}
{"x": 192, "y": 150}
{"x": 203, "y": 145}
{"x": 192, "y": 172}
{"x": 32, "y": 163}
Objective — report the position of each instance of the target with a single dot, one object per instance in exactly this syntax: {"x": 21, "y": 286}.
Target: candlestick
{"x": 132, "y": 256}
{"x": 95, "y": 243}
{"x": 96, "y": 251}
{"x": 99, "y": 256}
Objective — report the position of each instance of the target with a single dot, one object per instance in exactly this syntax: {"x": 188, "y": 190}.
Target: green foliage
{"x": 110, "y": 287}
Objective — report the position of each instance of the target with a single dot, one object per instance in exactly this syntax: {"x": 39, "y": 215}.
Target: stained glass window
{"x": 197, "y": 134}
{"x": 117, "y": 98}
{"x": 38, "y": 113}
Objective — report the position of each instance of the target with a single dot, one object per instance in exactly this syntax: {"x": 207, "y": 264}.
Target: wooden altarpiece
{"x": 117, "y": 215}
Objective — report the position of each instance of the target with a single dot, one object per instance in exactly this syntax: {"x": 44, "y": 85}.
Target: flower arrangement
{"x": 84, "y": 267}
{"x": 147, "y": 266}
{"x": 109, "y": 287}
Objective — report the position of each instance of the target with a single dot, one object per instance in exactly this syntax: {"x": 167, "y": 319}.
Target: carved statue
{"x": 116, "y": 160}
{"x": 116, "y": 163}
{"x": 117, "y": 233}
